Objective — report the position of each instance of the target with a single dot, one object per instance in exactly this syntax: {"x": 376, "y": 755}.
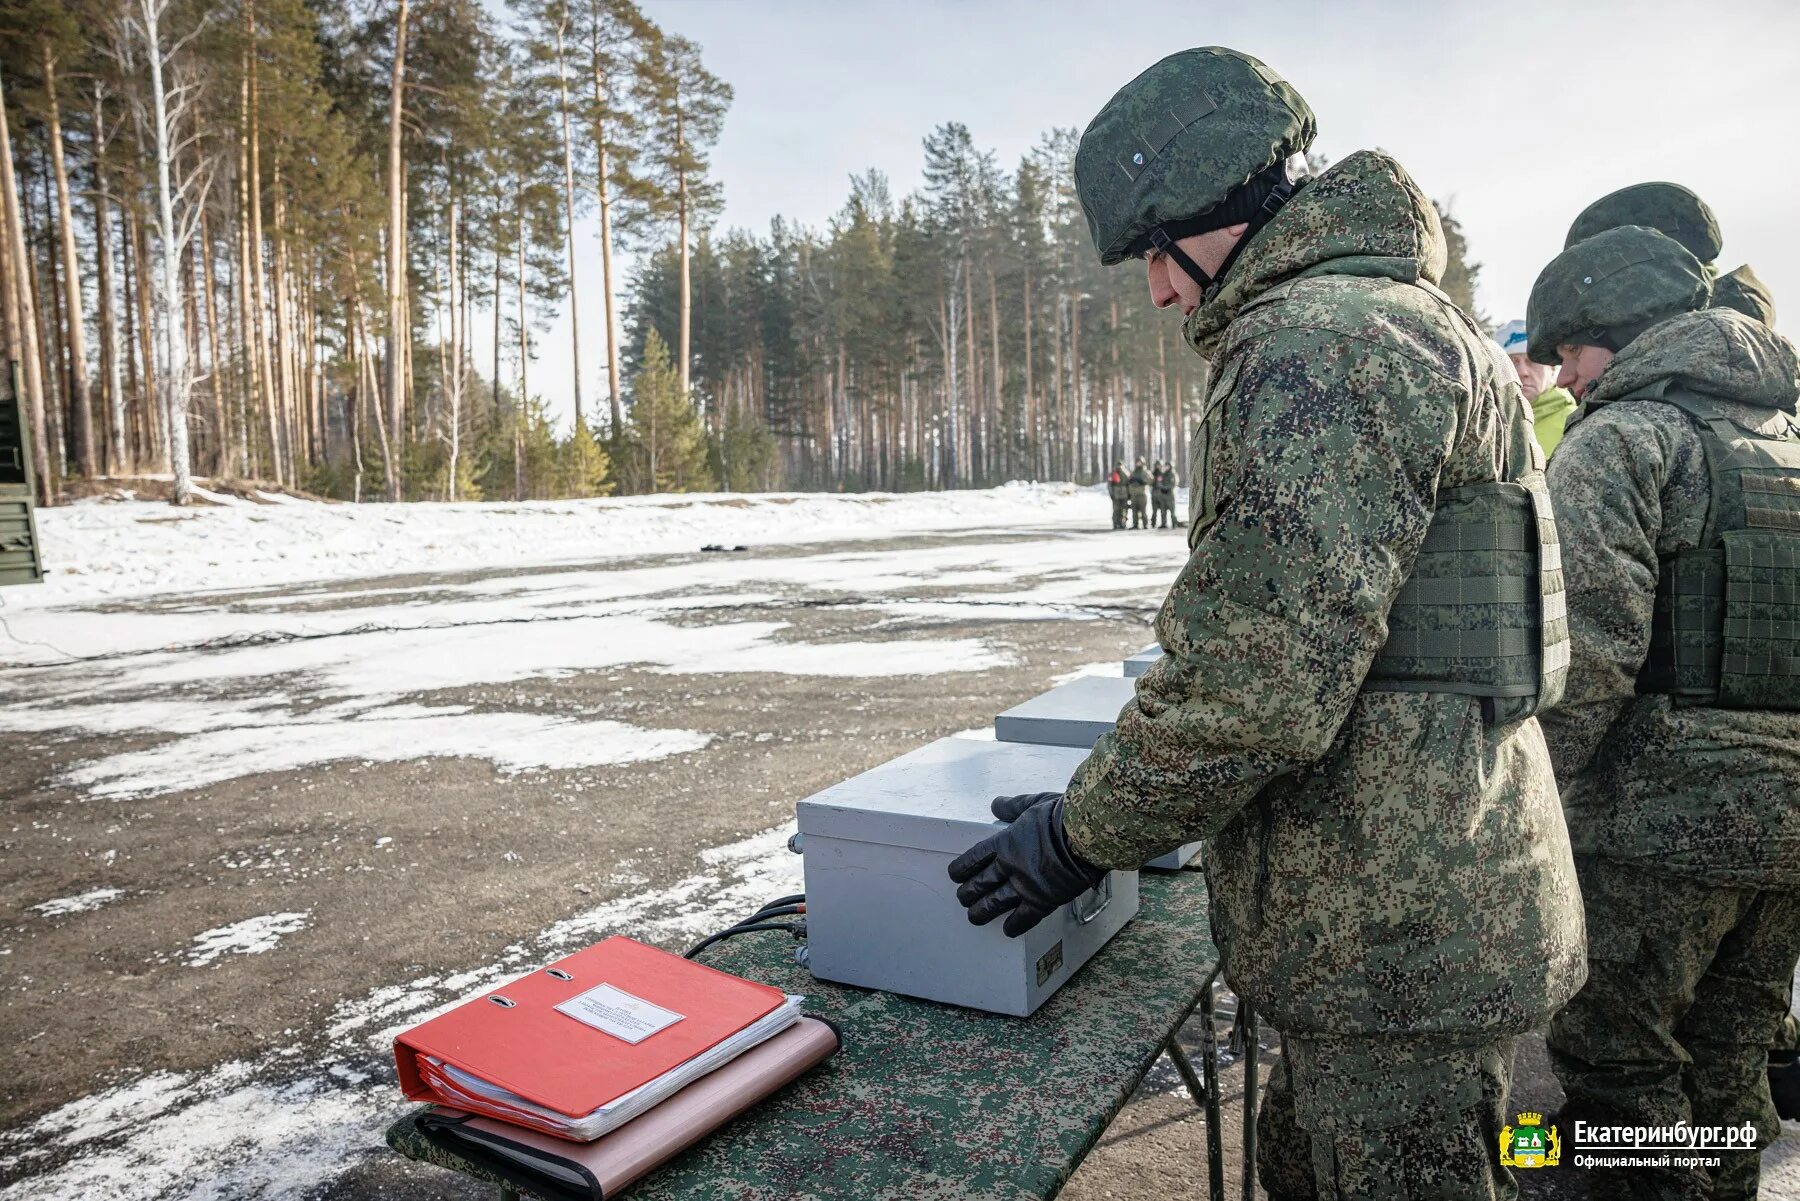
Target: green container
{"x": 20, "y": 562}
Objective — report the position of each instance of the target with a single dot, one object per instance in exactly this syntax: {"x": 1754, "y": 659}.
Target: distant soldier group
{"x": 1148, "y": 492}
{"x": 1387, "y": 590}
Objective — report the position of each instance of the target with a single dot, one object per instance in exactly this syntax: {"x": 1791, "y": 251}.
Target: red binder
{"x": 515, "y": 1037}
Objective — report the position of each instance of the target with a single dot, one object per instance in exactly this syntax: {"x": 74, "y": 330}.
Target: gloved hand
{"x": 1008, "y": 808}
{"x": 1026, "y": 871}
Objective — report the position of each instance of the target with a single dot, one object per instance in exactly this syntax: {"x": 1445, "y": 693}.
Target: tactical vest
{"x": 1726, "y": 628}
{"x": 1483, "y": 612}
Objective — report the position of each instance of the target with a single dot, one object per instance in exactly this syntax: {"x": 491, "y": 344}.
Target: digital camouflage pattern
{"x": 1667, "y": 207}
{"x": 1384, "y": 864}
{"x": 1687, "y": 984}
{"x": 1743, "y": 292}
{"x": 1419, "y": 1121}
{"x": 929, "y": 1102}
{"x": 1607, "y": 288}
{"x": 1179, "y": 139}
{"x": 1712, "y": 794}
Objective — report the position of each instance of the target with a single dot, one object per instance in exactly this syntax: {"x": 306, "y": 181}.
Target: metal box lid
{"x": 935, "y": 798}
{"x": 1072, "y": 714}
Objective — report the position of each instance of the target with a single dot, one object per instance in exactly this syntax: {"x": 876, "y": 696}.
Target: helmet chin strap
{"x": 1209, "y": 282}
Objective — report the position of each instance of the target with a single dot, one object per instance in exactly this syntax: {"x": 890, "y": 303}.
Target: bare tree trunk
{"x": 270, "y": 395}
{"x": 80, "y": 406}
{"x": 681, "y": 201}
{"x": 453, "y": 392}
{"x": 603, "y": 186}
{"x": 22, "y": 316}
{"x": 222, "y": 438}
{"x": 109, "y": 334}
{"x": 398, "y": 323}
{"x": 175, "y": 377}
{"x": 49, "y": 311}
{"x": 562, "y": 85}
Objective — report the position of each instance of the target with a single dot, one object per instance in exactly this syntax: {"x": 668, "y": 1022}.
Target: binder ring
{"x": 558, "y": 973}
{"x": 503, "y": 1002}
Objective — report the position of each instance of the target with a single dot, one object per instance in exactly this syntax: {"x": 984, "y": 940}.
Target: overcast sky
{"x": 1516, "y": 114}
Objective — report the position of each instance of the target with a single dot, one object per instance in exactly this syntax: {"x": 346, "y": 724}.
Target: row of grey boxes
{"x": 881, "y": 911}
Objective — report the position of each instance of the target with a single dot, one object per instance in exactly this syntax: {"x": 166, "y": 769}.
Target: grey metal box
{"x": 1140, "y": 663}
{"x": 1076, "y": 714}
{"x": 881, "y": 911}
{"x": 1072, "y": 714}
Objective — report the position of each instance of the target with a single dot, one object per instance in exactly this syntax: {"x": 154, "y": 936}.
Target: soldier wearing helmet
{"x": 1678, "y": 213}
{"x": 1677, "y": 490}
{"x": 1345, "y": 708}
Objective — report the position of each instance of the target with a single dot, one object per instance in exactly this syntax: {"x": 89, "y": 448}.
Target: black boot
{"x": 1784, "y": 1084}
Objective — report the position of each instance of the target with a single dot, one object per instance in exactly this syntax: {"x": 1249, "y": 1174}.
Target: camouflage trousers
{"x": 1118, "y": 514}
{"x": 1140, "y": 517}
{"x": 1687, "y": 985}
{"x": 1385, "y": 1119}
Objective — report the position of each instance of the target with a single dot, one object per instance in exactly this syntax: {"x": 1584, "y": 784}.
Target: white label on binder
{"x": 616, "y": 1012}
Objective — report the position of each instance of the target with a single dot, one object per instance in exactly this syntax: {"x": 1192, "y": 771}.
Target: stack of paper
{"x": 590, "y": 1042}
{"x": 465, "y": 1090}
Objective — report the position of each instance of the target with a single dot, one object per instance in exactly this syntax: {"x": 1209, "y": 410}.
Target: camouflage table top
{"x": 929, "y": 1101}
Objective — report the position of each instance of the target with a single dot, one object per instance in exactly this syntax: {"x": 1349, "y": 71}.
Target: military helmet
{"x": 1607, "y": 289}
{"x": 1668, "y": 208}
{"x": 1180, "y": 139}
{"x": 1743, "y": 291}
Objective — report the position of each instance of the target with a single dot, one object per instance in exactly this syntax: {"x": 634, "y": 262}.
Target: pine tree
{"x": 666, "y": 437}
{"x": 684, "y": 109}
{"x": 1461, "y": 273}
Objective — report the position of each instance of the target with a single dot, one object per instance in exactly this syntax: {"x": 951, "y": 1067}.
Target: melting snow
{"x": 79, "y": 903}
{"x": 252, "y": 936}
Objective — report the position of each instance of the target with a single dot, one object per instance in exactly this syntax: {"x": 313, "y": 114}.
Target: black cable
{"x": 796, "y": 899}
{"x": 798, "y": 928}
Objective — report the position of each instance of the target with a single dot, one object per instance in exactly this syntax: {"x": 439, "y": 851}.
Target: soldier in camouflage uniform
{"x": 1677, "y": 491}
{"x": 1118, "y": 490}
{"x": 1162, "y": 496}
{"x": 1391, "y": 879}
{"x": 1138, "y": 488}
{"x": 1677, "y": 212}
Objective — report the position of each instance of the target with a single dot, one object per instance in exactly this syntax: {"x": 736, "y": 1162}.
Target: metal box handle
{"x": 1104, "y": 892}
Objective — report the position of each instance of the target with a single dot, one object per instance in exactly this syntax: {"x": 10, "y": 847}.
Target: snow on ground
{"x": 298, "y": 1116}
{"x": 106, "y": 547}
{"x": 252, "y": 936}
{"x": 230, "y": 677}
{"x": 80, "y": 903}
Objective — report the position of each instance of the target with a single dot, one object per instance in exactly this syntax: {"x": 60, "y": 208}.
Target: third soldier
{"x": 1677, "y": 491}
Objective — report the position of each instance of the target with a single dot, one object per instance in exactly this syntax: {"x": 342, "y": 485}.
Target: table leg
{"x": 1209, "y": 1065}
{"x": 1247, "y": 1020}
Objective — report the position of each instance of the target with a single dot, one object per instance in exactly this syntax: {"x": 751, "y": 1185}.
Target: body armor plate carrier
{"x": 1483, "y": 612}
{"x": 1726, "y": 631}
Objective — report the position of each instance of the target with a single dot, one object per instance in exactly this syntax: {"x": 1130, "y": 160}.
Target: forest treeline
{"x": 256, "y": 239}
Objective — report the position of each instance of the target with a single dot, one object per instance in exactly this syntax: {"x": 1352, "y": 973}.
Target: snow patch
{"x": 258, "y": 1131}
{"x": 512, "y": 742}
{"x": 252, "y": 936}
{"x": 80, "y": 903}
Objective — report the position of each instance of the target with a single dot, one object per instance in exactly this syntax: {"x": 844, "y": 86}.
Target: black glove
{"x": 1027, "y": 871}
{"x": 1008, "y": 808}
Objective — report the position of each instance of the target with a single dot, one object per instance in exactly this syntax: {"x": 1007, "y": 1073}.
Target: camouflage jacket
{"x": 1711, "y": 793}
{"x": 1116, "y": 487}
{"x": 1383, "y": 862}
{"x": 1139, "y": 483}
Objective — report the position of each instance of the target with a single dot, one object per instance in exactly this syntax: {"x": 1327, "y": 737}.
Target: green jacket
{"x": 1383, "y": 862}
{"x": 1550, "y": 411}
{"x": 1710, "y": 793}
{"x": 1117, "y": 488}
{"x": 1139, "y": 485}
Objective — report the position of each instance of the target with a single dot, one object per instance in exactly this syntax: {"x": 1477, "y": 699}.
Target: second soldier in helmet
{"x": 1677, "y": 489}
{"x": 1391, "y": 879}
